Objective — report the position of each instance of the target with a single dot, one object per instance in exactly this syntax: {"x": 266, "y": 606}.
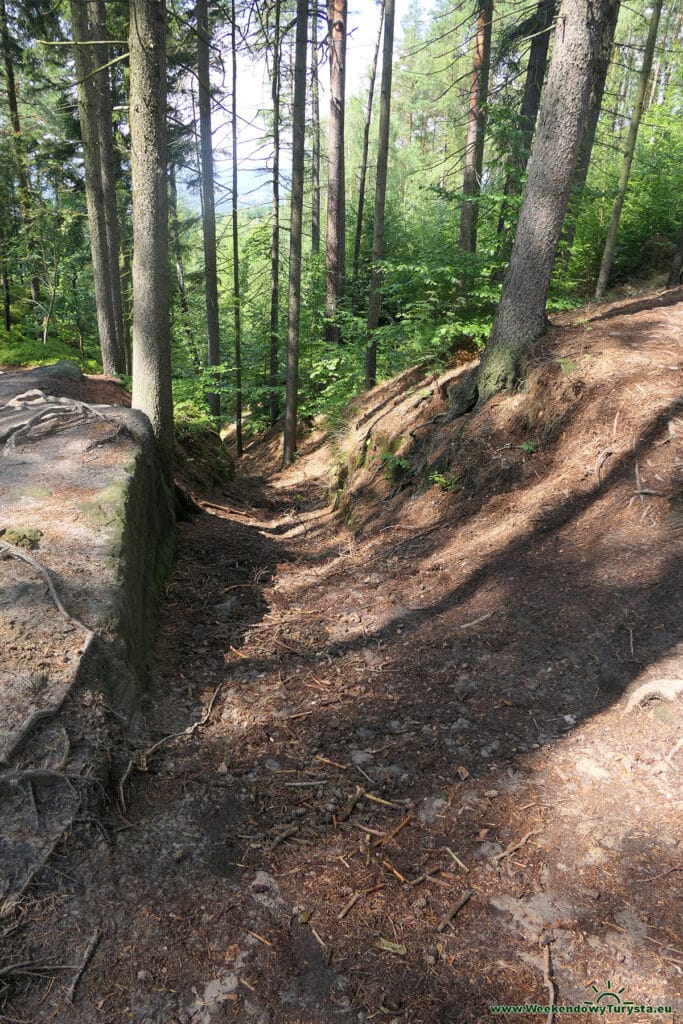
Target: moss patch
{"x": 23, "y": 536}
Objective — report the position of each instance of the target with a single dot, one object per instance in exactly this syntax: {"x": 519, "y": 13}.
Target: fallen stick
{"x": 457, "y": 860}
{"x": 90, "y": 949}
{"x": 146, "y": 754}
{"x": 544, "y": 942}
{"x": 515, "y": 846}
{"x": 395, "y": 831}
{"x": 347, "y": 811}
{"x": 287, "y": 834}
{"x": 445, "y": 921}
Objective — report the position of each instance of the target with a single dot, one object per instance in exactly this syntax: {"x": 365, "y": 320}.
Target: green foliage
{"x": 19, "y": 348}
{"x": 446, "y": 481}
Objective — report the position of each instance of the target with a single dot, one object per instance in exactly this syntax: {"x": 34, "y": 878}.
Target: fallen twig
{"x": 287, "y": 834}
{"x": 544, "y": 942}
{"x": 457, "y": 860}
{"x": 90, "y": 949}
{"x": 347, "y": 811}
{"x": 395, "y": 831}
{"x": 143, "y": 757}
{"x": 515, "y": 846}
{"x": 445, "y": 921}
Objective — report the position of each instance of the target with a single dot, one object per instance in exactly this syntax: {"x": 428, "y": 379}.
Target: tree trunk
{"x": 588, "y": 139}
{"x": 520, "y": 317}
{"x": 315, "y": 132}
{"x": 180, "y": 270}
{"x": 611, "y": 241}
{"x": 208, "y": 201}
{"x": 6, "y": 299}
{"x": 528, "y": 114}
{"x": 235, "y": 245}
{"x": 364, "y": 165}
{"x": 375, "y": 298}
{"x": 151, "y": 335}
{"x": 273, "y": 365}
{"x": 20, "y": 154}
{"x": 335, "y": 247}
{"x": 295, "y": 233}
{"x": 476, "y": 128}
{"x": 94, "y": 111}
{"x": 674, "y": 277}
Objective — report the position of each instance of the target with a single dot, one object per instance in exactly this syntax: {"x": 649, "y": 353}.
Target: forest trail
{"x": 437, "y": 768}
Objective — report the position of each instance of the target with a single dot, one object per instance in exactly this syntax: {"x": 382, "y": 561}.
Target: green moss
{"x": 108, "y": 507}
{"x": 23, "y": 536}
{"x": 30, "y": 491}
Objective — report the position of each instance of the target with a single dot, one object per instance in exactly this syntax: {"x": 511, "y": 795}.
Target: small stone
{"x": 430, "y": 807}
{"x": 360, "y": 757}
{"x": 144, "y": 976}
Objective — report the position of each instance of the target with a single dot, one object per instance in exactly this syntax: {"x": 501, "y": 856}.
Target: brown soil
{"x": 464, "y": 682}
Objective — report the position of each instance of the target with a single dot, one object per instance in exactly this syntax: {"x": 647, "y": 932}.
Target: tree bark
{"x": 180, "y": 270}
{"x": 588, "y": 139}
{"x": 611, "y": 240}
{"x": 528, "y": 114}
{"x": 6, "y": 298}
{"x": 476, "y": 128}
{"x": 335, "y": 246}
{"x": 274, "y": 353}
{"x": 364, "y": 165}
{"x": 20, "y": 154}
{"x": 295, "y": 233}
{"x": 95, "y": 115}
{"x": 315, "y": 133}
{"x": 151, "y": 335}
{"x": 208, "y": 200}
{"x": 520, "y": 317}
{"x": 375, "y": 298}
{"x": 674, "y": 277}
{"x": 235, "y": 243}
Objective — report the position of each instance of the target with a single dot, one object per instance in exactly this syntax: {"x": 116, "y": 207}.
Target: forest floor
{"x": 426, "y": 757}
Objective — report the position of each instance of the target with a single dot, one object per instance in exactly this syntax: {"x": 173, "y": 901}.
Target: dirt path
{"x": 431, "y": 778}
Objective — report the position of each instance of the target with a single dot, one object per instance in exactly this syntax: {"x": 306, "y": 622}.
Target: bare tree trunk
{"x": 20, "y": 154}
{"x": 235, "y": 245}
{"x": 180, "y": 270}
{"x": 674, "y": 277}
{"x": 208, "y": 200}
{"x": 315, "y": 131}
{"x": 375, "y": 298}
{"x": 335, "y": 247}
{"x": 94, "y": 110}
{"x": 611, "y": 241}
{"x": 364, "y": 165}
{"x": 6, "y": 299}
{"x": 296, "y": 231}
{"x": 273, "y": 366}
{"x": 520, "y": 316}
{"x": 151, "y": 335}
{"x": 476, "y": 128}
{"x": 586, "y": 148}
{"x": 528, "y": 114}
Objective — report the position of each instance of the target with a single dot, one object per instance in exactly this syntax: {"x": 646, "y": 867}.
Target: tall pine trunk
{"x": 95, "y": 115}
{"x": 295, "y": 232}
{"x": 611, "y": 240}
{"x": 315, "y": 134}
{"x": 151, "y": 333}
{"x": 674, "y": 277}
{"x": 476, "y": 128}
{"x": 588, "y": 139}
{"x": 208, "y": 200}
{"x": 364, "y": 165}
{"x": 335, "y": 245}
{"x": 520, "y": 316}
{"x": 180, "y": 269}
{"x": 528, "y": 114}
{"x": 20, "y": 154}
{"x": 375, "y": 298}
{"x": 273, "y": 362}
{"x": 235, "y": 243}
